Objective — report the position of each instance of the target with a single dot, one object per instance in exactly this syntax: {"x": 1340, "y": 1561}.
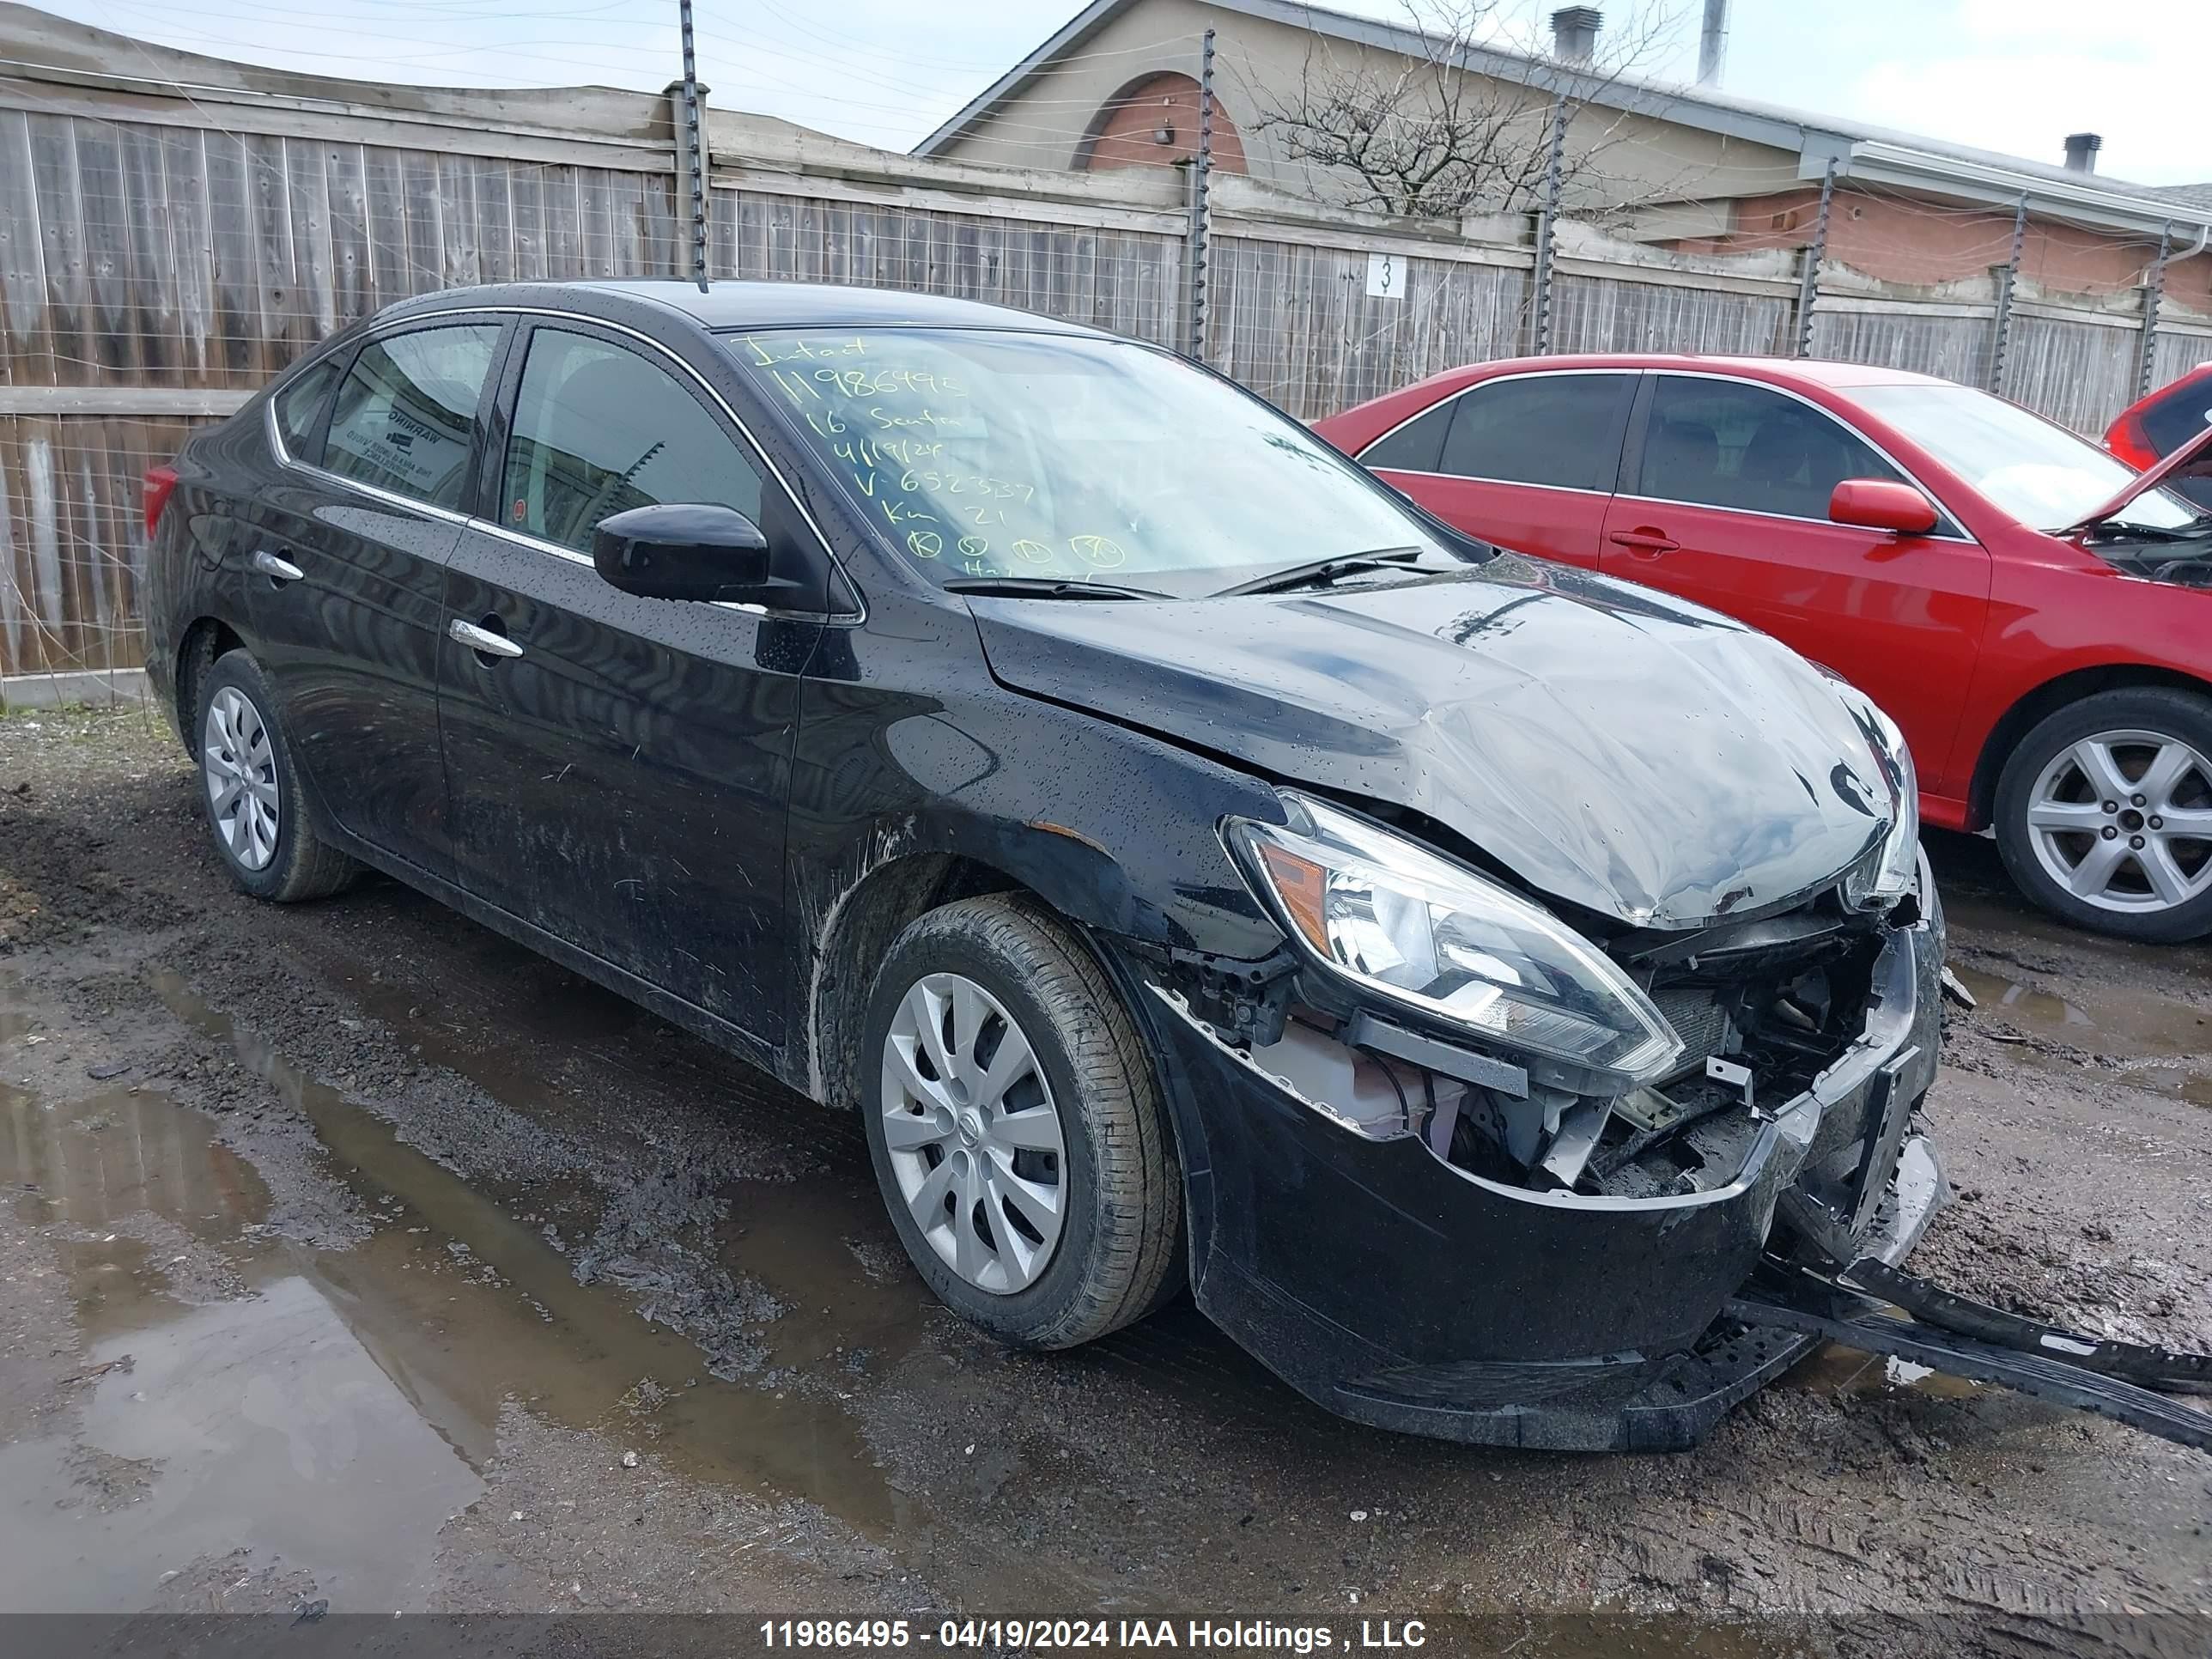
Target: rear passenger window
{"x": 1415, "y": 446}
{"x": 2178, "y": 416}
{"x": 404, "y": 416}
{"x": 1558, "y": 429}
{"x": 1723, "y": 443}
{"x": 598, "y": 430}
{"x": 299, "y": 409}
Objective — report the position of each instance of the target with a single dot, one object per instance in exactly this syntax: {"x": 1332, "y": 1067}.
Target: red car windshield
{"x": 2040, "y": 472}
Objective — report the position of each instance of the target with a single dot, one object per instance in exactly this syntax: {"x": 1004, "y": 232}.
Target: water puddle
{"x": 137, "y": 1189}
{"x": 337, "y": 1406}
{"x": 2001, "y": 914}
{"x": 2165, "y": 1047}
{"x": 1833, "y": 1369}
{"x": 504, "y": 1315}
{"x": 226, "y": 1401}
{"x": 1994, "y": 994}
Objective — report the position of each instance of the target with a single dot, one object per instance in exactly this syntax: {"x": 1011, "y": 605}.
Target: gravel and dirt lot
{"x": 352, "y": 1253}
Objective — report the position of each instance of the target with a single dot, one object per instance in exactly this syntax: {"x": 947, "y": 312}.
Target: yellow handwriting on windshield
{"x": 766, "y": 354}
{"x": 917, "y": 449}
{"x": 1098, "y": 552}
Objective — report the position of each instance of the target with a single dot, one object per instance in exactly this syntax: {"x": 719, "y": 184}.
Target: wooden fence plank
{"x": 384, "y": 194}
{"x": 353, "y": 261}
{"x": 25, "y": 356}
{"x": 460, "y": 262}
{"x": 314, "y": 257}
{"x": 237, "y": 316}
{"x": 526, "y": 188}
{"x": 283, "y": 333}
{"x": 150, "y": 275}
{"x": 495, "y": 219}
{"x": 424, "y": 244}
{"x": 61, "y": 239}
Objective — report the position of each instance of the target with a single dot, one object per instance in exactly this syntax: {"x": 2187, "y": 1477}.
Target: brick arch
{"x": 1123, "y": 132}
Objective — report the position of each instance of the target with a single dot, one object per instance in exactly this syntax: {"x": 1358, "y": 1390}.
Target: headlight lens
{"x": 1395, "y": 917}
{"x": 1894, "y": 873}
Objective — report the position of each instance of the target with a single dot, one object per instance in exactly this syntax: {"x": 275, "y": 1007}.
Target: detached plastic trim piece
{"x": 2057, "y": 1381}
{"x": 2165, "y": 1369}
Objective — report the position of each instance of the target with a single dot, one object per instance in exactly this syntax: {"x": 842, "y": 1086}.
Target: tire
{"x": 2146, "y": 752}
{"x": 239, "y": 741}
{"x": 1117, "y": 1253}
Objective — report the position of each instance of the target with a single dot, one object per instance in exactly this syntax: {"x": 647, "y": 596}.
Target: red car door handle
{"x": 1649, "y": 543}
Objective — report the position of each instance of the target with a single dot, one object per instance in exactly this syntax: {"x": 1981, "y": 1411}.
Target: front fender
{"x": 1115, "y": 829}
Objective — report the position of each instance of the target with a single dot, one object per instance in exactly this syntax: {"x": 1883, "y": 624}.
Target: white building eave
{"x": 2097, "y": 207}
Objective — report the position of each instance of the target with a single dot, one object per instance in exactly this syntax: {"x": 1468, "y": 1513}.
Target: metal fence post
{"x": 692, "y": 153}
{"x": 2154, "y": 297}
{"x": 1201, "y": 178}
{"x": 1540, "y": 309}
{"x": 1808, "y": 279}
{"x": 2005, "y": 285}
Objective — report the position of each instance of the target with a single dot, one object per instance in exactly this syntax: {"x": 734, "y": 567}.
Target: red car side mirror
{"x": 1881, "y": 504}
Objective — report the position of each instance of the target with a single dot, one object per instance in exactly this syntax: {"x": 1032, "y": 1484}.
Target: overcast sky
{"x": 2005, "y": 75}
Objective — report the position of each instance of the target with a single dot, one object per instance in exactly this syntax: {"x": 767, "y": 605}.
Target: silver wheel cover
{"x": 241, "y": 770}
{"x": 2123, "y": 820}
{"x": 974, "y": 1137}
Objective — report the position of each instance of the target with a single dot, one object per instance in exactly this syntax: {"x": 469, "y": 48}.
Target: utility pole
{"x": 694, "y": 152}
{"x": 1540, "y": 319}
{"x": 1201, "y": 181}
{"x": 2007, "y": 280}
{"x": 2153, "y": 297}
{"x": 1808, "y": 279}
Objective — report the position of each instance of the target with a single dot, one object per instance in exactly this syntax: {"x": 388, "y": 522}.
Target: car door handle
{"x": 277, "y": 570}
{"x": 1649, "y": 543}
{"x": 483, "y": 640}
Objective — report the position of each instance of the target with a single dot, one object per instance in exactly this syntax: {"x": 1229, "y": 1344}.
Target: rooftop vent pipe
{"x": 1574, "y": 34}
{"x": 2082, "y": 150}
{"x": 1712, "y": 43}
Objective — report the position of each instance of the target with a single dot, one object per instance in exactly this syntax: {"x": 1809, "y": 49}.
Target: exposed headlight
{"x": 1397, "y": 918}
{"x": 1890, "y": 877}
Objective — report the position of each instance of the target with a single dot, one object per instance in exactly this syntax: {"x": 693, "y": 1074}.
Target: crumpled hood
{"x": 1611, "y": 746}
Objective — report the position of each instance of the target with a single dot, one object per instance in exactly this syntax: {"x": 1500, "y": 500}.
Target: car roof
{"x": 727, "y": 305}
{"x": 1804, "y": 371}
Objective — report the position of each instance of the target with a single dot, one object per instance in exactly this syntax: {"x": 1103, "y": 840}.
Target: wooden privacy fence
{"x": 168, "y": 242}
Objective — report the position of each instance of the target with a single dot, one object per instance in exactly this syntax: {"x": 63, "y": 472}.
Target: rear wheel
{"x": 2104, "y": 813}
{"x": 1016, "y": 1127}
{"x": 251, "y": 795}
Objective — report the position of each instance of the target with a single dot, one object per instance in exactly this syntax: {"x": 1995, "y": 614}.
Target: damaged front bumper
{"x": 1402, "y": 1290}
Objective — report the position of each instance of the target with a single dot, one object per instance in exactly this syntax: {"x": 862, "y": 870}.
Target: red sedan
{"x": 2032, "y": 612}
{"x": 2146, "y": 432}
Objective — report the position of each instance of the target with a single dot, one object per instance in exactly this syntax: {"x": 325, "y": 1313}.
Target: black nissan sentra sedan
{"x": 1200, "y": 867}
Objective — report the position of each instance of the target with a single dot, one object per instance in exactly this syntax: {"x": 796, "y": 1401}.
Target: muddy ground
{"x": 352, "y": 1253}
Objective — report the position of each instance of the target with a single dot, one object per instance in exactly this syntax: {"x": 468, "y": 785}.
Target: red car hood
{"x": 2193, "y": 460}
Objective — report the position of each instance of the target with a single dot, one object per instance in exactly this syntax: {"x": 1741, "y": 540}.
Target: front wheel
{"x": 1016, "y": 1127}
{"x": 2104, "y": 813}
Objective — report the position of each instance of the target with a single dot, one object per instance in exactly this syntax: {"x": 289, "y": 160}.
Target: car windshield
{"x": 1049, "y": 459}
{"x": 2038, "y": 471}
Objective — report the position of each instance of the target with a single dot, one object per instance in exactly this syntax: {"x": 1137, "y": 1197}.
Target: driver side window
{"x": 597, "y": 429}
{"x": 1723, "y": 443}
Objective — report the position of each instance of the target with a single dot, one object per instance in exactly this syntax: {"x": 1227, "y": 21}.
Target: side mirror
{"x": 1882, "y": 504}
{"x": 684, "y": 551}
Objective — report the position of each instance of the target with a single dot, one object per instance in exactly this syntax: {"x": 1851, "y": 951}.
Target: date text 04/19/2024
{"x": 1243, "y": 1635}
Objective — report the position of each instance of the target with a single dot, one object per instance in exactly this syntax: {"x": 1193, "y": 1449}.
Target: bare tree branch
{"x": 1425, "y": 135}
